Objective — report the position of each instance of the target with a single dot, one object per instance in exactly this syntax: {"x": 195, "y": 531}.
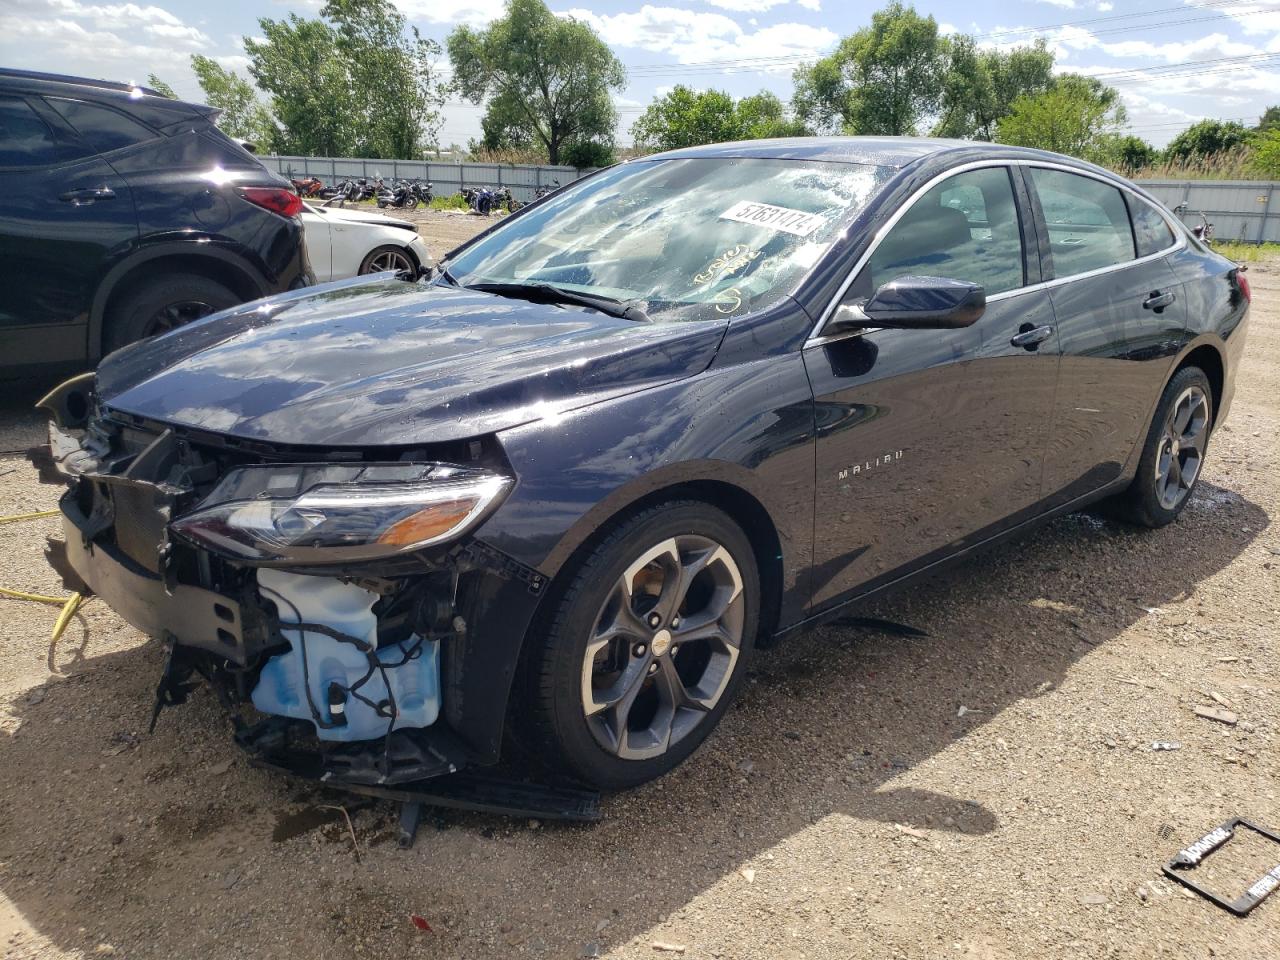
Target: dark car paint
{"x": 60, "y": 262}
{"x": 387, "y": 363}
{"x": 747, "y": 417}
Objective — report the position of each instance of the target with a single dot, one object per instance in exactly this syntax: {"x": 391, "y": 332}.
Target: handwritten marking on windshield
{"x": 735, "y": 258}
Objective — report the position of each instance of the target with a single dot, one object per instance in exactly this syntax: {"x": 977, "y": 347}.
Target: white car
{"x": 343, "y": 243}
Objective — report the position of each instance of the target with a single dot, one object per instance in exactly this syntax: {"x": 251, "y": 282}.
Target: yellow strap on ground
{"x": 68, "y": 611}
{"x": 34, "y": 597}
{"x": 29, "y": 516}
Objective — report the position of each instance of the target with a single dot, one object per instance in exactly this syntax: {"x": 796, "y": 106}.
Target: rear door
{"x": 1121, "y": 317}
{"x": 67, "y": 214}
{"x": 931, "y": 440}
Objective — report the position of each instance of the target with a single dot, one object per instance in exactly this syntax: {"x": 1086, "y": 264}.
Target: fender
{"x": 189, "y": 243}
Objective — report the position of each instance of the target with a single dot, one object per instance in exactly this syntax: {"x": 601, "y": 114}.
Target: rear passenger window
{"x": 102, "y": 128}
{"x": 1087, "y": 219}
{"x": 965, "y": 228}
{"x": 26, "y": 140}
{"x": 1149, "y": 228}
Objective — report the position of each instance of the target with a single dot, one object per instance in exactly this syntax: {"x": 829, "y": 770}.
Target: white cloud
{"x": 1064, "y": 4}
{"x": 694, "y": 37}
{"x": 476, "y": 13}
{"x": 747, "y": 6}
{"x": 814, "y": 5}
{"x": 1254, "y": 17}
{"x": 1105, "y": 6}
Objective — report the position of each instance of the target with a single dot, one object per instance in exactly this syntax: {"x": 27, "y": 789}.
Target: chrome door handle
{"x": 1030, "y": 339}
{"x": 87, "y": 195}
{"x": 1157, "y": 301}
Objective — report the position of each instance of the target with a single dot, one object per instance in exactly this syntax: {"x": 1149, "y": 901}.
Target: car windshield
{"x": 691, "y": 239}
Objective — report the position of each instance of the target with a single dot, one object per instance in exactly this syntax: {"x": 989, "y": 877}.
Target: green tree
{"x": 1127, "y": 152}
{"x": 394, "y": 74}
{"x": 980, "y": 86}
{"x": 1077, "y": 116}
{"x": 1206, "y": 138}
{"x": 297, "y": 65}
{"x": 685, "y": 117}
{"x": 546, "y": 76}
{"x": 160, "y": 87}
{"x": 1269, "y": 121}
{"x": 884, "y": 79}
{"x": 585, "y": 154}
{"x": 242, "y": 116}
{"x": 1266, "y": 156}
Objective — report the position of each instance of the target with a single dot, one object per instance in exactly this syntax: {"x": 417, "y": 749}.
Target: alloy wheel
{"x": 664, "y": 647}
{"x": 176, "y": 314}
{"x": 1182, "y": 447}
{"x": 396, "y": 260}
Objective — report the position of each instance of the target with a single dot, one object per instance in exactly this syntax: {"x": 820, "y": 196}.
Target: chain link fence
{"x": 447, "y": 178}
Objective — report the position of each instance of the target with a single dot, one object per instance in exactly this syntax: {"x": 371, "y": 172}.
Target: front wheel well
{"x": 744, "y": 509}
{"x": 1208, "y": 359}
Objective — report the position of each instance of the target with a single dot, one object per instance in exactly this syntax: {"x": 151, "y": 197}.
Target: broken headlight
{"x": 317, "y": 513}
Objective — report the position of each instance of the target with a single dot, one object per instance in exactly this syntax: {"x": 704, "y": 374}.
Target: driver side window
{"x": 964, "y": 228}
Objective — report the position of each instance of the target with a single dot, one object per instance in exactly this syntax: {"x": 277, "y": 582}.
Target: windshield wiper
{"x": 549, "y": 293}
{"x": 442, "y": 273}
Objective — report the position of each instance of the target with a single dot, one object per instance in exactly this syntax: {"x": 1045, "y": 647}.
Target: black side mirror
{"x": 914, "y": 303}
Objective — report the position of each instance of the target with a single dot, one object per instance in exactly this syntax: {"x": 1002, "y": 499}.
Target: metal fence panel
{"x": 447, "y": 178}
{"x": 1247, "y": 210}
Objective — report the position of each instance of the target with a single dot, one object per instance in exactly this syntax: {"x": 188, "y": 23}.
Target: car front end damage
{"x": 334, "y": 600}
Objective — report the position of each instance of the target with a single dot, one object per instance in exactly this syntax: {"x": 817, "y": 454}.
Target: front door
{"x": 929, "y": 440}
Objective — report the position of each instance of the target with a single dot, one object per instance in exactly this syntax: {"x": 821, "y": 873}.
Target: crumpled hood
{"x": 364, "y": 362}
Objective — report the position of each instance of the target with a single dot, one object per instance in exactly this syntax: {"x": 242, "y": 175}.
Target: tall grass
{"x": 1233, "y": 164}
{"x": 1246, "y": 252}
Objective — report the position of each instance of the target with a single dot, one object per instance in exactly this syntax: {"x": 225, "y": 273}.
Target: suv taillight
{"x": 276, "y": 199}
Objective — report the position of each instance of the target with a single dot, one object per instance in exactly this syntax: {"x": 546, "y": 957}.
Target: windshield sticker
{"x": 795, "y": 222}
{"x": 731, "y": 260}
{"x": 730, "y": 299}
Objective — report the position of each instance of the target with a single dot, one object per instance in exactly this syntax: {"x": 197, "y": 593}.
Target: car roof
{"x": 127, "y": 96}
{"x": 894, "y": 152}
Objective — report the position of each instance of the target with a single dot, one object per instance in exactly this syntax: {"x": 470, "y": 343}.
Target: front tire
{"x": 388, "y": 257}
{"x": 1173, "y": 454}
{"x": 646, "y": 647}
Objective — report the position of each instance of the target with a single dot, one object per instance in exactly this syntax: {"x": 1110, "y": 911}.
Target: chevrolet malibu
{"x": 683, "y": 408}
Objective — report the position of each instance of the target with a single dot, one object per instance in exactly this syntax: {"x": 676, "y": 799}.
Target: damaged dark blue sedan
{"x": 686, "y": 406}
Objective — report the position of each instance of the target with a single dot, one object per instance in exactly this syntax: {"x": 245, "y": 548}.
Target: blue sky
{"x": 736, "y": 45}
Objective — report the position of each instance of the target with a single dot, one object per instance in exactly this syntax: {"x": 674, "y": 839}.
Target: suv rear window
{"x": 102, "y": 128}
{"x": 26, "y": 140}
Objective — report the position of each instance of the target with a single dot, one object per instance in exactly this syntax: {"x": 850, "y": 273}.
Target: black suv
{"x": 124, "y": 214}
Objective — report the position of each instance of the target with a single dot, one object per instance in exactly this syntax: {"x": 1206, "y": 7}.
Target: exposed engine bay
{"x": 313, "y": 591}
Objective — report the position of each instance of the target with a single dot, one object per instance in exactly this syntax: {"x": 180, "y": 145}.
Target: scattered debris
{"x": 420, "y": 923}
{"x": 748, "y": 874}
{"x": 911, "y": 831}
{"x": 1044, "y": 687}
{"x": 1166, "y": 745}
{"x": 1228, "y": 659}
{"x": 355, "y": 846}
{"x": 220, "y": 769}
{"x": 591, "y": 950}
{"x": 1219, "y": 699}
{"x": 36, "y": 695}
{"x": 1092, "y": 899}
{"x": 1217, "y": 713}
{"x": 965, "y": 711}
{"x": 664, "y": 947}
{"x": 1143, "y": 894}
{"x": 746, "y": 766}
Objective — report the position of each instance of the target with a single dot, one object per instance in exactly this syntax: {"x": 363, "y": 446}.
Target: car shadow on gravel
{"x": 162, "y": 845}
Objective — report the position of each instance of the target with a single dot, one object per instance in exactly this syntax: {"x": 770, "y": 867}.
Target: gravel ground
{"x": 988, "y": 791}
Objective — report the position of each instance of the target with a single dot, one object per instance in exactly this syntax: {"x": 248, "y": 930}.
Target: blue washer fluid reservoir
{"x": 334, "y": 666}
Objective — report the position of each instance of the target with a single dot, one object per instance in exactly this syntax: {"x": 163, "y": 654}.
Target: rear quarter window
{"x": 1150, "y": 230}
{"x": 26, "y": 140}
{"x": 102, "y": 128}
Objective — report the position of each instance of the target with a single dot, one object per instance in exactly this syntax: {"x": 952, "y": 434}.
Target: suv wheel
{"x": 166, "y": 304}
{"x": 1174, "y": 452}
{"x": 647, "y": 646}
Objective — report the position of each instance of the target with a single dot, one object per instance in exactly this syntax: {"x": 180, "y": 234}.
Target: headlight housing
{"x": 324, "y": 513}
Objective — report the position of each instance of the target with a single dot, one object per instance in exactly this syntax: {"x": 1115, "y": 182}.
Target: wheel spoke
{"x": 1182, "y": 415}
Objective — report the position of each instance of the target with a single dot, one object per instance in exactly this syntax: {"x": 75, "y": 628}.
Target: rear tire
{"x": 646, "y": 646}
{"x": 165, "y": 304}
{"x": 1173, "y": 453}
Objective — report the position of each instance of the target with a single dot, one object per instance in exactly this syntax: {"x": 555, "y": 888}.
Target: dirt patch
{"x": 988, "y": 790}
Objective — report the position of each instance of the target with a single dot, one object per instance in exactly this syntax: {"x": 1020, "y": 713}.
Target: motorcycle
{"x": 402, "y": 196}
{"x": 308, "y": 186}
{"x": 344, "y": 191}
{"x": 543, "y": 191}
{"x": 424, "y": 194}
{"x": 1203, "y": 230}
{"x": 482, "y": 200}
{"x": 505, "y": 199}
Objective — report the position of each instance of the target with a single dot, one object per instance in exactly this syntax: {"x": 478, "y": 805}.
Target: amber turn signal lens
{"x": 427, "y": 524}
